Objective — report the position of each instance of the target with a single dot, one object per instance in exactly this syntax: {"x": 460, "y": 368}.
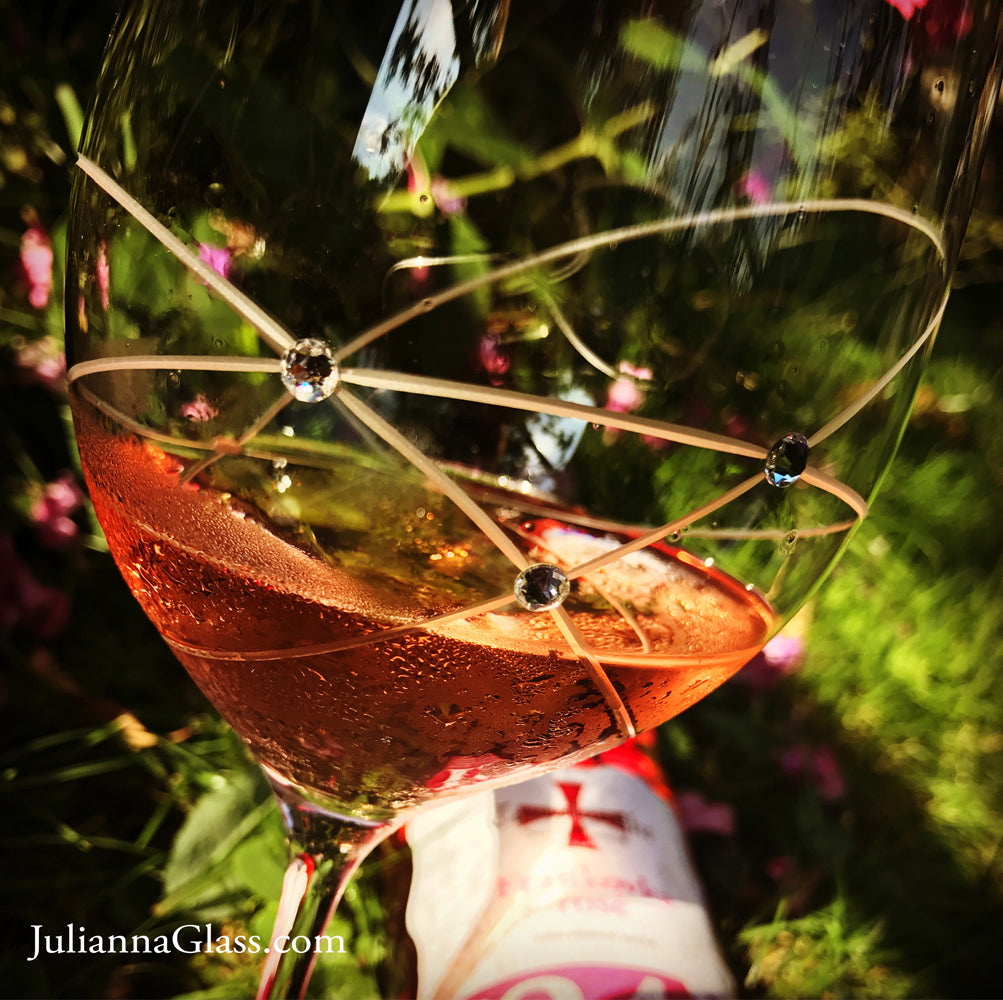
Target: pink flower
{"x": 36, "y": 263}
{"x": 42, "y": 363}
{"x": 754, "y": 186}
{"x": 493, "y": 357}
{"x": 737, "y": 427}
{"x": 51, "y": 512}
{"x": 446, "y": 202}
{"x": 779, "y": 658}
{"x": 698, "y": 815}
{"x": 784, "y": 653}
{"x": 218, "y": 258}
{"x": 819, "y": 766}
{"x": 103, "y": 276}
{"x": 26, "y": 603}
{"x": 624, "y": 395}
{"x": 199, "y": 410}
{"x": 907, "y": 7}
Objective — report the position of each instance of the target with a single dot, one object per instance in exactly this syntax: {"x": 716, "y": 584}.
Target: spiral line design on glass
{"x": 281, "y": 340}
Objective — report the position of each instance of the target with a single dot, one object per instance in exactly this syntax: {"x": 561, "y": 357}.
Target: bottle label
{"x": 575, "y": 884}
{"x": 585, "y": 982}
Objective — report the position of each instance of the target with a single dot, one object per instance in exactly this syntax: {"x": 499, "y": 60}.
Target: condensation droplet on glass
{"x": 939, "y": 86}
{"x": 786, "y": 460}
{"x": 674, "y": 536}
{"x": 427, "y": 304}
{"x": 931, "y": 119}
{"x": 174, "y": 379}
{"x": 218, "y": 342}
{"x": 309, "y": 371}
{"x": 541, "y": 587}
{"x": 971, "y": 88}
{"x": 789, "y": 541}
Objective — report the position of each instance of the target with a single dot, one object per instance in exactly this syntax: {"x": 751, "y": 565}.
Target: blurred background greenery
{"x": 844, "y": 793}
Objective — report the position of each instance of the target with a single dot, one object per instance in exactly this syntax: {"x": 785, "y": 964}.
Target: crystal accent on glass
{"x": 542, "y": 587}
{"x": 787, "y": 459}
{"x": 309, "y": 371}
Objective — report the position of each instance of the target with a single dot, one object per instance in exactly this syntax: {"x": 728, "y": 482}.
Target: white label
{"x": 582, "y": 882}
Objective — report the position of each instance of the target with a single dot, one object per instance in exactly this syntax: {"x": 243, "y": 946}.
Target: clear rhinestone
{"x": 309, "y": 371}
{"x": 542, "y": 587}
{"x": 786, "y": 461}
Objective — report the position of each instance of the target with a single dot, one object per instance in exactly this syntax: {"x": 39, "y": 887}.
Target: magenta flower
{"x": 36, "y": 264}
{"x": 42, "y": 363}
{"x": 779, "y": 658}
{"x": 26, "y": 603}
{"x": 754, "y": 186}
{"x": 907, "y": 7}
{"x": 51, "y": 512}
{"x": 494, "y": 358}
{"x": 199, "y": 410}
{"x": 817, "y": 765}
{"x": 737, "y": 427}
{"x": 218, "y": 258}
{"x": 103, "y": 276}
{"x": 699, "y": 815}
{"x": 445, "y": 201}
{"x": 624, "y": 395}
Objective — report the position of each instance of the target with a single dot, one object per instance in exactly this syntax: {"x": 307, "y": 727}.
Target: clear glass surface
{"x": 465, "y": 387}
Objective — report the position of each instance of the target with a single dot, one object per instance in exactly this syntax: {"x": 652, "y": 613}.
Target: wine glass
{"x": 465, "y": 387}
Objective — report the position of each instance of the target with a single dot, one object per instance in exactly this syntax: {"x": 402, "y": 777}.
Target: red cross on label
{"x": 578, "y": 836}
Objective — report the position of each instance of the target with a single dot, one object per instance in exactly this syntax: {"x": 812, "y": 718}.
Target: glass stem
{"x": 325, "y": 850}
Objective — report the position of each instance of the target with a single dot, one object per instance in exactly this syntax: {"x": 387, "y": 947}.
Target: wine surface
{"x": 288, "y": 646}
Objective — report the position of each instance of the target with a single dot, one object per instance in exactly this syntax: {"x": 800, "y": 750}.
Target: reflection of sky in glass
{"x": 419, "y": 66}
{"x": 556, "y": 438}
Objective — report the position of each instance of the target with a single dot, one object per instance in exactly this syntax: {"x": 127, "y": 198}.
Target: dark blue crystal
{"x": 786, "y": 461}
{"x": 542, "y": 587}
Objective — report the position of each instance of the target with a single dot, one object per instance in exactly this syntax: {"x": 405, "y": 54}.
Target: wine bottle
{"x": 576, "y": 885}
